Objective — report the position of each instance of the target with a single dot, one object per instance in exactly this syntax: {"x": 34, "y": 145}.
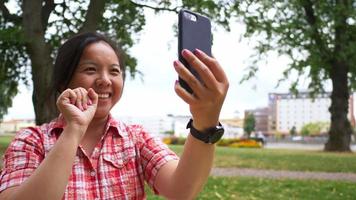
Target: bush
{"x": 174, "y": 140}
{"x": 248, "y": 143}
{"x": 231, "y": 142}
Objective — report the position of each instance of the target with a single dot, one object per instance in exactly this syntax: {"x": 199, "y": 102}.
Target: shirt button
{"x": 92, "y": 173}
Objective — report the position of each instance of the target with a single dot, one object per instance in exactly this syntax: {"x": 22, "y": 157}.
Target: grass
{"x": 4, "y": 142}
{"x": 296, "y": 160}
{"x": 244, "y": 188}
{"x": 248, "y": 188}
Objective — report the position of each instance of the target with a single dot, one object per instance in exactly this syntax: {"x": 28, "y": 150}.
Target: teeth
{"x": 103, "y": 95}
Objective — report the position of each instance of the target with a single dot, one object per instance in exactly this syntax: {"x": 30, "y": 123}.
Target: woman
{"x": 86, "y": 154}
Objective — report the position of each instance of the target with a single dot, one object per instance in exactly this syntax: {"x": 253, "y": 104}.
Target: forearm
{"x": 49, "y": 180}
{"x": 185, "y": 179}
{"x": 194, "y": 166}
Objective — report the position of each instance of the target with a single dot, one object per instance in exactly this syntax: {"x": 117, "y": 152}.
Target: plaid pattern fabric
{"x": 125, "y": 157}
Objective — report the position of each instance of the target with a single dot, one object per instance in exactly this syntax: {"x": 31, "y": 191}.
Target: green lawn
{"x": 246, "y": 188}
{"x": 4, "y": 142}
{"x": 299, "y": 160}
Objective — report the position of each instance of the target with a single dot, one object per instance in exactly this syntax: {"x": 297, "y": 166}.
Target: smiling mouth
{"x": 104, "y": 96}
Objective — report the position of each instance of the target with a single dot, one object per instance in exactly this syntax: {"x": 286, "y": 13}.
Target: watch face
{"x": 216, "y": 136}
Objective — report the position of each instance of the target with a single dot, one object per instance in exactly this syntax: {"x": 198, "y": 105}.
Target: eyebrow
{"x": 93, "y": 63}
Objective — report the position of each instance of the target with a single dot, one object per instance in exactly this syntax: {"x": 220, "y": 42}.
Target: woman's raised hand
{"x": 78, "y": 106}
{"x": 209, "y": 94}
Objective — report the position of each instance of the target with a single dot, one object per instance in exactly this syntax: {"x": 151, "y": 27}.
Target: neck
{"x": 97, "y": 125}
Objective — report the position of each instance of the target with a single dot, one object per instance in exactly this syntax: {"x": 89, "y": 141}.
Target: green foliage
{"x": 306, "y": 32}
{"x": 13, "y": 65}
{"x": 121, "y": 20}
{"x": 293, "y": 131}
{"x": 315, "y": 128}
{"x": 319, "y": 37}
{"x": 249, "y": 123}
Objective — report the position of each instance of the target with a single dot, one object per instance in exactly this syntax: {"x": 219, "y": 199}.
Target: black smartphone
{"x": 194, "y": 32}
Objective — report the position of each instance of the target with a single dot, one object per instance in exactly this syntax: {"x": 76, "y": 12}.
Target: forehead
{"x": 101, "y": 50}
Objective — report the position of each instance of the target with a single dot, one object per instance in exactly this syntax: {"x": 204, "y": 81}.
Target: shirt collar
{"x": 56, "y": 126}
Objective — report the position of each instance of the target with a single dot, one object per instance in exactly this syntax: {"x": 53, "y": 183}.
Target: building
{"x": 288, "y": 110}
{"x": 261, "y": 119}
{"x": 14, "y": 125}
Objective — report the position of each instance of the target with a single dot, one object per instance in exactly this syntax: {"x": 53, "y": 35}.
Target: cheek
{"x": 119, "y": 87}
{"x": 80, "y": 81}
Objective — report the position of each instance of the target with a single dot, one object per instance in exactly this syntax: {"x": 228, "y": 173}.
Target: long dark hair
{"x": 69, "y": 55}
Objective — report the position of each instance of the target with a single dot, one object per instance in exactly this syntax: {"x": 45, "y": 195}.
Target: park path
{"x": 283, "y": 174}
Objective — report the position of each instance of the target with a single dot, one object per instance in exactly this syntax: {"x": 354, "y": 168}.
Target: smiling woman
{"x": 95, "y": 156}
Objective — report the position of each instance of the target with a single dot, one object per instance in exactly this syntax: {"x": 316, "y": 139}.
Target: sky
{"x": 153, "y": 93}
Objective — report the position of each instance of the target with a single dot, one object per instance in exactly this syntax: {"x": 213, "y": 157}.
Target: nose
{"x": 103, "y": 80}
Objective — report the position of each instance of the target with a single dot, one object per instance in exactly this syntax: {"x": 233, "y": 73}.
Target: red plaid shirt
{"x": 125, "y": 157}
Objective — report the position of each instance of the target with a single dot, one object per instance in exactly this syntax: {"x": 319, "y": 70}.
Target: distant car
{"x": 297, "y": 138}
{"x": 259, "y": 137}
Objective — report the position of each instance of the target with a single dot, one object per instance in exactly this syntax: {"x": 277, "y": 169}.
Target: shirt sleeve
{"x": 154, "y": 154}
{"x": 21, "y": 158}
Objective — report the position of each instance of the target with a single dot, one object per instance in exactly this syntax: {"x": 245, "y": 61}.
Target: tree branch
{"x": 312, "y": 21}
{"x": 6, "y": 14}
{"x": 176, "y": 9}
{"x": 93, "y": 16}
{"x": 46, "y": 11}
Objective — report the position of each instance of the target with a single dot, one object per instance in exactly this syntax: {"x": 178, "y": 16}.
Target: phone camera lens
{"x": 191, "y": 17}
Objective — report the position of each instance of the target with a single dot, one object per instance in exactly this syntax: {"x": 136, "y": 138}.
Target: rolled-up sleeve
{"x": 21, "y": 158}
{"x": 154, "y": 154}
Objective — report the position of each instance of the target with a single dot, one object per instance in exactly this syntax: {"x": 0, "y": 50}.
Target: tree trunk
{"x": 340, "y": 129}
{"x": 41, "y": 61}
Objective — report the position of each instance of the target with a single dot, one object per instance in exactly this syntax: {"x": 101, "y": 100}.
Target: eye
{"x": 116, "y": 71}
{"x": 89, "y": 69}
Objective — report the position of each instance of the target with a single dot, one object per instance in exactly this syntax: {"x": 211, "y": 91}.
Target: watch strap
{"x": 207, "y": 135}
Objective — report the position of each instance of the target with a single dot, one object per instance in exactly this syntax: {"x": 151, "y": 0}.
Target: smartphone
{"x": 194, "y": 32}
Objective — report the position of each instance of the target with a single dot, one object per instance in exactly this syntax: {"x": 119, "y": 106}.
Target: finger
{"x": 78, "y": 100}
{"x": 189, "y": 78}
{"x": 213, "y": 65}
{"x": 85, "y": 98}
{"x": 204, "y": 72}
{"x": 183, "y": 94}
{"x": 93, "y": 96}
{"x": 67, "y": 96}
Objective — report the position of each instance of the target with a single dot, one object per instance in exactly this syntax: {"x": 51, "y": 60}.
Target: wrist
{"x": 74, "y": 132}
{"x": 202, "y": 125}
{"x": 209, "y": 135}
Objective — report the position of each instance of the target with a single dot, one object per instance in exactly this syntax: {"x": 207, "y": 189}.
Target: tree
{"x": 314, "y": 128}
{"x": 320, "y": 39}
{"x": 293, "y": 131}
{"x": 32, "y": 30}
{"x": 249, "y": 124}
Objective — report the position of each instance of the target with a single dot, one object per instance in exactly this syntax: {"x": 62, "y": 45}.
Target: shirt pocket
{"x": 121, "y": 174}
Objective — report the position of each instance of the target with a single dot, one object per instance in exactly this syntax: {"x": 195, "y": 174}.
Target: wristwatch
{"x": 210, "y": 135}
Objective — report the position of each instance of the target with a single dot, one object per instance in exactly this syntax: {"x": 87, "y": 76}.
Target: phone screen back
{"x": 194, "y": 32}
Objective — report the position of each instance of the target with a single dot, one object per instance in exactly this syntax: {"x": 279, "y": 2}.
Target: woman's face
{"x": 99, "y": 69}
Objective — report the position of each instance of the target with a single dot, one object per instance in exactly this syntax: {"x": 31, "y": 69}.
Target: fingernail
{"x": 175, "y": 63}
{"x": 198, "y": 52}
{"x": 185, "y": 52}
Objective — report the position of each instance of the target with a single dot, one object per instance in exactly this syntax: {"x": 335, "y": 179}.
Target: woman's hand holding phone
{"x": 208, "y": 93}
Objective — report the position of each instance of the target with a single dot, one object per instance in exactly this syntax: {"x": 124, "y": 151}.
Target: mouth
{"x": 104, "y": 95}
